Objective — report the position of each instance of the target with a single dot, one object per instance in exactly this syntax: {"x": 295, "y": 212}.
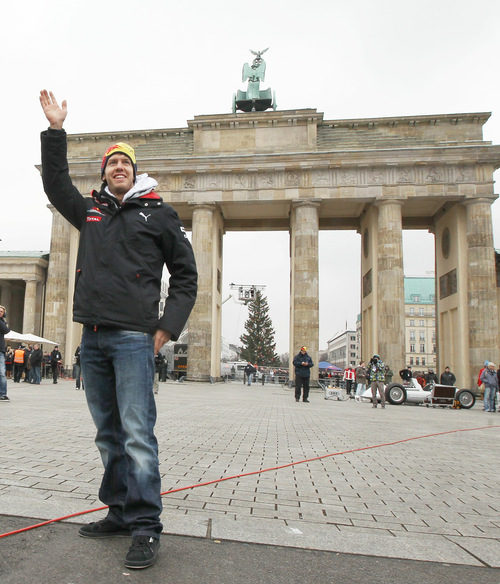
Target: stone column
{"x": 304, "y": 286}
{"x": 204, "y": 322}
{"x": 482, "y": 290}
{"x": 390, "y": 324}
{"x": 57, "y": 289}
{"x": 30, "y": 298}
{"x": 6, "y": 297}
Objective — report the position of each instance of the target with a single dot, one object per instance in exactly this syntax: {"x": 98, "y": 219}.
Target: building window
{"x": 416, "y": 298}
{"x": 417, "y": 361}
{"x": 411, "y": 360}
{"x": 422, "y": 347}
{"x": 412, "y": 348}
{"x": 412, "y": 322}
{"x": 412, "y": 311}
{"x": 423, "y": 360}
{"x": 422, "y": 335}
{"x": 421, "y": 312}
{"x": 412, "y": 335}
{"x": 422, "y": 323}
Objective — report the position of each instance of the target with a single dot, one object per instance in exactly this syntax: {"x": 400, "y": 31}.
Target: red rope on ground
{"x": 247, "y": 474}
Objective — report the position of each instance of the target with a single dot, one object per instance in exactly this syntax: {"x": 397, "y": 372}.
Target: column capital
{"x": 381, "y": 202}
{"x": 207, "y": 205}
{"x": 482, "y": 200}
{"x": 305, "y": 203}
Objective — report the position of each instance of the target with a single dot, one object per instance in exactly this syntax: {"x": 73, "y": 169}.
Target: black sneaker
{"x": 103, "y": 528}
{"x": 4, "y": 398}
{"x": 143, "y": 552}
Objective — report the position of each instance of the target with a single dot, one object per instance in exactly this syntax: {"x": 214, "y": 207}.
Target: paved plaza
{"x": 436, "y": 498}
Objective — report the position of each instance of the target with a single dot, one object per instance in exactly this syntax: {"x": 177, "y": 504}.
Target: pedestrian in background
{"x": 78, "y": 368}
{"x": 302, "y": 363}
{"x": 36, "y": 364}
{"x": 447, "y": 377}
{"x": 248, "y": 373}
{"x": 406, "y": 374}
{"x": 376, "y": 375}
{"x": 361, "y": 374}
{"x": 55, "y": 361}
{"x": 349, "y": 379}
{"x": 431, "y": 377}
{"x": 18, "y": 363}
{"x": 4, "y": 329}
{"x": 9, "y": 362}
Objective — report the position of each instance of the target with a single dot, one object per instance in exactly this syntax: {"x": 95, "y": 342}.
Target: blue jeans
{"x": 118, "y": 369}
{"x": 35, "y": 375}
{"x": 360, "y": 389}
{"x": 3, "y": 378}
{"x": 489, "y": 398}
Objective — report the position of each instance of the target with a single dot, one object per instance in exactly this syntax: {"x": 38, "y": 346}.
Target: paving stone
{"x": 487, "y": 550}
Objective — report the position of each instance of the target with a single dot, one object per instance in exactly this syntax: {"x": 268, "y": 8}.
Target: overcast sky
{"x": 155, "y": 64}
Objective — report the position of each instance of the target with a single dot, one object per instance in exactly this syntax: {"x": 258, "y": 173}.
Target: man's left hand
{"x": 161, "y": 337}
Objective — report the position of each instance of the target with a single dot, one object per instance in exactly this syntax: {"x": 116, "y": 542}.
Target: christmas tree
{"x": 258, "y": 342}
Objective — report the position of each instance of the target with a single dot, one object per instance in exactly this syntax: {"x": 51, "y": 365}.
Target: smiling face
{"x": 119, "y": 174}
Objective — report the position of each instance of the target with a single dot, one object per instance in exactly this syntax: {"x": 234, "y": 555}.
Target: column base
{"x": 203, "y": 378}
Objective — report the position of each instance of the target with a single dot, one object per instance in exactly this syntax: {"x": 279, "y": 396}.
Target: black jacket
{"x": 122, "y": 251}
{"x": 4, "y": 329}
{"x": 447, "y": 378}
{"x": 36, "y": 357}
{"x": 249, "y": 369}
{"x": 302, "y": 370}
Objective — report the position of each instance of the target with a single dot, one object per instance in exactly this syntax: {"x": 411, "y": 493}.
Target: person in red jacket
{"x": 349, "y": 378}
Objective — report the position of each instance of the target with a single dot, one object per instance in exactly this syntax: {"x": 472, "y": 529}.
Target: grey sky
{"x": 155, "y": 64}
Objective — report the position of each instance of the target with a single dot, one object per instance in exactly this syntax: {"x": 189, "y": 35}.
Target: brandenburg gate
{"x": 294, "y": 171}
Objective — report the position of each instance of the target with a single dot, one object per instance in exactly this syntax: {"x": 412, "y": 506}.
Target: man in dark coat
{"x": 249, "y": 373}
{"x": 55, "y": 360}
{"x": 447, "y": 377}
{"x": 127, "y": 236}
{"x": 302, "y": 363}
{"x": 35, "y": 363}
{"x": 4, "y": 329}
{"x": 406, "y": 374}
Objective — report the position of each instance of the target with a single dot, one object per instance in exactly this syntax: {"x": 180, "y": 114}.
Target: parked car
{"x": 432, "y": 394}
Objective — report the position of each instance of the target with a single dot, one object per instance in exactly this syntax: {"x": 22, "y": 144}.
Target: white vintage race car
{"x": 432, "y": 394}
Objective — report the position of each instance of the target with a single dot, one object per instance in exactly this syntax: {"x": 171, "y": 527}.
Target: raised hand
{"x": 55, "y": 113}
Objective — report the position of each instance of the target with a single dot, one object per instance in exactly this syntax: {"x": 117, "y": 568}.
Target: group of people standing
{"x": 26, "y": 361}
{"x": 489, "y": 380}
{"x": 373, "y": 375}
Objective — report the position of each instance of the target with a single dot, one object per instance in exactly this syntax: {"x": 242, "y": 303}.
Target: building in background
{"x": 420, "y": 322}
{"x": 343, "y": 348}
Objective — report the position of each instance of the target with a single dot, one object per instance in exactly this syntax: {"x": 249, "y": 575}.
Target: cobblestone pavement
{"x": 436, "y": 498}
